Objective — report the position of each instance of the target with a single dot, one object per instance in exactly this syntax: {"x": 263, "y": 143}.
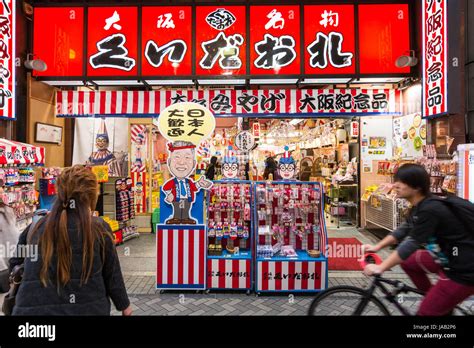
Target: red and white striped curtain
{"x": 16, "y": 153}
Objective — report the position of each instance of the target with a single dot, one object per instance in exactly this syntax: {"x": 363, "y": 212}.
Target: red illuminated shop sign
{"x": 166, "y": 40}
{"x": 275, "y": 40}
{"x": 65, "y": 29}
{"x": 329, "y": 39}
{"x": 222, "y": 40}
{"x": 112, "y": 41}
{"x": 384, "y": 35}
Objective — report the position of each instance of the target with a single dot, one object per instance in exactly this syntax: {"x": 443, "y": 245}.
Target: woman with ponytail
{"x": 77, "y": 270}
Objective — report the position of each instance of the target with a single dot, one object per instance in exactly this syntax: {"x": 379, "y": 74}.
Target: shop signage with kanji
{"x": 112, "y": 41}
{"x": 244, "y": 141}
{"x": 329, "y": 39}
{"x": 435, "y": 89}
{"x": 302, "y": 102}
{"x": 223, "y": 40}
{"x": 220, "y": 40}
{"x": 166, "y": 40}
{"x": 7, "y": 60}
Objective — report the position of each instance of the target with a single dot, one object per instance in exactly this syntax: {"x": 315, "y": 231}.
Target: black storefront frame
{"x": 193, "y": 4}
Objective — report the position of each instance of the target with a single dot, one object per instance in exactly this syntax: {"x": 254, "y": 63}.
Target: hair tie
{"x": 65, "y": 205}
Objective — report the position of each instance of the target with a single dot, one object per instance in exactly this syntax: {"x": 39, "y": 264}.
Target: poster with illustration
{"x": 184, "y": 125}
{"x": 139, "y": 148}
{"x": 409, "y": 135}
{"x": 102, "y": 141}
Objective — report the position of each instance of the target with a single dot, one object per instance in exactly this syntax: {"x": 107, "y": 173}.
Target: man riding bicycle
{"x": 448, "y": 245}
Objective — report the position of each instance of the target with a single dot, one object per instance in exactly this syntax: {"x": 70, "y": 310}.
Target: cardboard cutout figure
{"x": 181, "y": 190}
{"x": 230, "y": 165}
{"x": 103, "y": 155}
{"x": 287, "y": 166}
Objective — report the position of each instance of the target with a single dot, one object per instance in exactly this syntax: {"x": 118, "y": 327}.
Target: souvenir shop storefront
{"x": 240, "y": 145}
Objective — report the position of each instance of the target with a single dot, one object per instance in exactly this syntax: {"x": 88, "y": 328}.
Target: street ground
{"x": 138, "y": 262}
{"x": 137, "y": 258}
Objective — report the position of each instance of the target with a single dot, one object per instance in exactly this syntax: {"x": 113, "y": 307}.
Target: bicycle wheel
{"x": 343, "y": 300}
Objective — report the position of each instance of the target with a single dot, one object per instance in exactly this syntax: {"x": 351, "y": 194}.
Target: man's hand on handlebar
{"x": 373, "y": 269}
{"x": 369, "y": 248}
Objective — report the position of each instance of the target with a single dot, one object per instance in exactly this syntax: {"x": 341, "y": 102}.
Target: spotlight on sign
{"x": 404, "y": 60}
{"x": 35, "y": 64}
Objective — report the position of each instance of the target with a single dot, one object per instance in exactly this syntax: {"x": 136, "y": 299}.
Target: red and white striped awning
{"x": 13, "y": 152}
{"x": 227, "y": 103}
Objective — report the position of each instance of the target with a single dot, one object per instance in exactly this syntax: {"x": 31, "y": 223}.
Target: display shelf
{"x": 246, "y": 255}
{"x": 230, "y": 214}
{"x": 302, "y": 256}
{"x": 292, "y": 213}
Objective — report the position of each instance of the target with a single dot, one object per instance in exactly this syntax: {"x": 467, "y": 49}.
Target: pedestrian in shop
{"x": 8, "y": 237}
{"x": 270, "y": 168}
{"x": 77, "y": 270}
{"x": 247, "y": 171}
{"x": 305, "y": 173}
{"x": 436, "y": 238}
{"x": 211, "y": 170}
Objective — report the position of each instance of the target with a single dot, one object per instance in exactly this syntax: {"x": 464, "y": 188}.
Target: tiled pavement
{"x": 138, "y": 266}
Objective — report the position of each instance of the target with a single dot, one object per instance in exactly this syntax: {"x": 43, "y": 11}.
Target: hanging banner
{"x": 139, "y": 148}
{"x": 13, "y": 152}
{"x": 7, "y": 57}
{"x": 435, "y": 77}
{"x": 302, "y": 102}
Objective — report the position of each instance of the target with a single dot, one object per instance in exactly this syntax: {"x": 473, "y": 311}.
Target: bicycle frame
{"x": 389, "y": 295}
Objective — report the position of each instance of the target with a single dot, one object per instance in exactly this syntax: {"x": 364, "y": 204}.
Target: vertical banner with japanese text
{"x": 435, "y": 79}
{"x": 7, "y": 60}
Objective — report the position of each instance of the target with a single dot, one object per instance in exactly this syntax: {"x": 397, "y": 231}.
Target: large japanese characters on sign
{"x": 234, "y": 40}
{"x": 308, "y": 102}
{"x": 112, "y": 41}
{"x": 435, "y": 91}
{"x": 329, "y": 39}
{"x": 220, "y": 40}
{"x": 166, "y": 40}
{"x": 275, "y": 40}
{"x": 7, "y": 59}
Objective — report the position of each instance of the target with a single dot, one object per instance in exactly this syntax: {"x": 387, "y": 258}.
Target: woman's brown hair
{"x": 77, "y": 193}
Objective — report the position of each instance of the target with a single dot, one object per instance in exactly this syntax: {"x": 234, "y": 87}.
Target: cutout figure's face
{"x": 287, "y": 171}
{"x": 102, "y": 143}
{"x": 181, "y": 163}
{"x": 230, "y": 170}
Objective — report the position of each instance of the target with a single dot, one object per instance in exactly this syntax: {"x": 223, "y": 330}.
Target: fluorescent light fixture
{"x": 273, "y": 81}
{"x": 379, "y": 80}
{"x": 118, "y": 83}
{"x": 325, "y": 81}
{"x": 63, "y": 83}
{"x": 169, "y": 82}
{"x": 222, "y": 82}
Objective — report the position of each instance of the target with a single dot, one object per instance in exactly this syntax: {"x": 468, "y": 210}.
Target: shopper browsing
{"x": 78, "y": 270}
{"x": 432, "y": 240}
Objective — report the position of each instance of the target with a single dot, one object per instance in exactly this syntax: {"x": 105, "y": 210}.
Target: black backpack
{"x": 462, "y": 209}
